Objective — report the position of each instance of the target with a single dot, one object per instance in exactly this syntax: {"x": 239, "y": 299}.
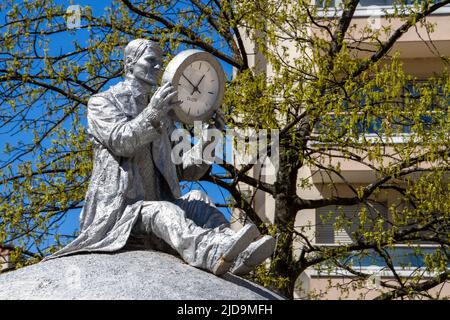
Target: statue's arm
{"x": 112, "y": 128}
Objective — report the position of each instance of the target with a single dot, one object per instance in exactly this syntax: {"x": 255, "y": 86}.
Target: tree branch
{"x": 343, "y": 24}
{"x": 184, "y": 31}
{"x": 415, "y": 287}
{"x": 385, "y": 47}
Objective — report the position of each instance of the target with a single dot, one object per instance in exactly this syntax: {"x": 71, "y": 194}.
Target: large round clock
{"x": 200, "y": 81}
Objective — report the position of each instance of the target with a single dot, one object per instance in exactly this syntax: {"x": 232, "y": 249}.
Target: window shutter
{"x": 326, "y": 233}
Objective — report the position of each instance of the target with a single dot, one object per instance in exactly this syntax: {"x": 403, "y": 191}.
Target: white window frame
{"x": 373, "y": 269}
{"x": 371, "y": 11}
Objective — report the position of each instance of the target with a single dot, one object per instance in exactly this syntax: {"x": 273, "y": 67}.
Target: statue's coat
{"x": 132, "y": 164}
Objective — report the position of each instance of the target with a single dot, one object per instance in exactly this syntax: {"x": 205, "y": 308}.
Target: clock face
{"x": 198, "y": 88}
{"x": 200, "y": 82}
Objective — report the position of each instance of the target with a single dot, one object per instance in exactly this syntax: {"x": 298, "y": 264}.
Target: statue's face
{"x": 148, "y": 68}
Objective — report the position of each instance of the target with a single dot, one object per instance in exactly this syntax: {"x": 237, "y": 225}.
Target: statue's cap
{"x": 136, "y": 48}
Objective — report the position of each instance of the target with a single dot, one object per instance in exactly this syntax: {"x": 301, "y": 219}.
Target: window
{"x": 401, "y": 257}
{"x": 330, "y": 234}
{"x": 369, "y": 121}
{"x": 333, "y": 223}
{"x": 362, "y": 3}
{"x": 385, "y": 3}
{"x": 367, "y": 8}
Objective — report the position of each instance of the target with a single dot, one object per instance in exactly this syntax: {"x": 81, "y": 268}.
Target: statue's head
{"x": 143, "y": 61}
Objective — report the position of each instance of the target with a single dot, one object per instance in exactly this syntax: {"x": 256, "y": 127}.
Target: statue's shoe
{"x": 254, "y": 255}
{"x": 236, "y": 244}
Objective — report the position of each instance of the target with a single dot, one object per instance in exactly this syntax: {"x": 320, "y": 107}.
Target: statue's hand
{"x": 161, "y": 102}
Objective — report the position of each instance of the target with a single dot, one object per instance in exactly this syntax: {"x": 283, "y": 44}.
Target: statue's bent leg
{"x": 206, "y": 248}
{"x": 200, "y": 208}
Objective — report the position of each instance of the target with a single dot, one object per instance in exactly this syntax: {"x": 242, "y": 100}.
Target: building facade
{"x": 418, "y": 52}
{"x": 5, "y": 263}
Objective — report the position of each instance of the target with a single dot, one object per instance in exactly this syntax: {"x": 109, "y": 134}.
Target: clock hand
{"x": 196, "y": 87}
{"x": 193, "y": 86}
{"x": 200, "y": 80}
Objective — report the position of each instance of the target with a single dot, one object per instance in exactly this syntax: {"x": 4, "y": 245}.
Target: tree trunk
{"x": 285, "y": 213}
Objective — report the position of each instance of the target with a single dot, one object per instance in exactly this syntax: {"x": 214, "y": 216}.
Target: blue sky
{"x": 63, "y": 42}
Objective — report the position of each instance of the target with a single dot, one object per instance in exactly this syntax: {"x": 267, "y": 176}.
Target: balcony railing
{"x": 363, "y": 3}
{"x": 370, "y": 126}
{"x": 367, "y": 8}
{"x": 402, "y": 257}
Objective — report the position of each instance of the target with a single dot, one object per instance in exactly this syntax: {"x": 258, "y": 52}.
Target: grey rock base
{"x": 142, "y": 275}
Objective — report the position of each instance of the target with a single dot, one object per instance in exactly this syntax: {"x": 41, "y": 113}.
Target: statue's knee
{"x": 151, "y": 209}
{"x": 217, "y": 220}
{"x": 198, "y": 195}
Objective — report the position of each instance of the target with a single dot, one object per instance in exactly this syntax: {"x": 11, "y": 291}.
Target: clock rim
{"x": 177, "y": 66}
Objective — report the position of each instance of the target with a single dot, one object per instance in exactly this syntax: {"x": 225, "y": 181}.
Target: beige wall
{"x": 418, "y": 60}
{"x": 329, "y": 288}
{"x": 4, "y": 259}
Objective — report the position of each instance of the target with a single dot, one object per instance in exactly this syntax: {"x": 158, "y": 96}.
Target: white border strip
{"x": 371, "y": 11}
{"x": 370, "y": 270}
